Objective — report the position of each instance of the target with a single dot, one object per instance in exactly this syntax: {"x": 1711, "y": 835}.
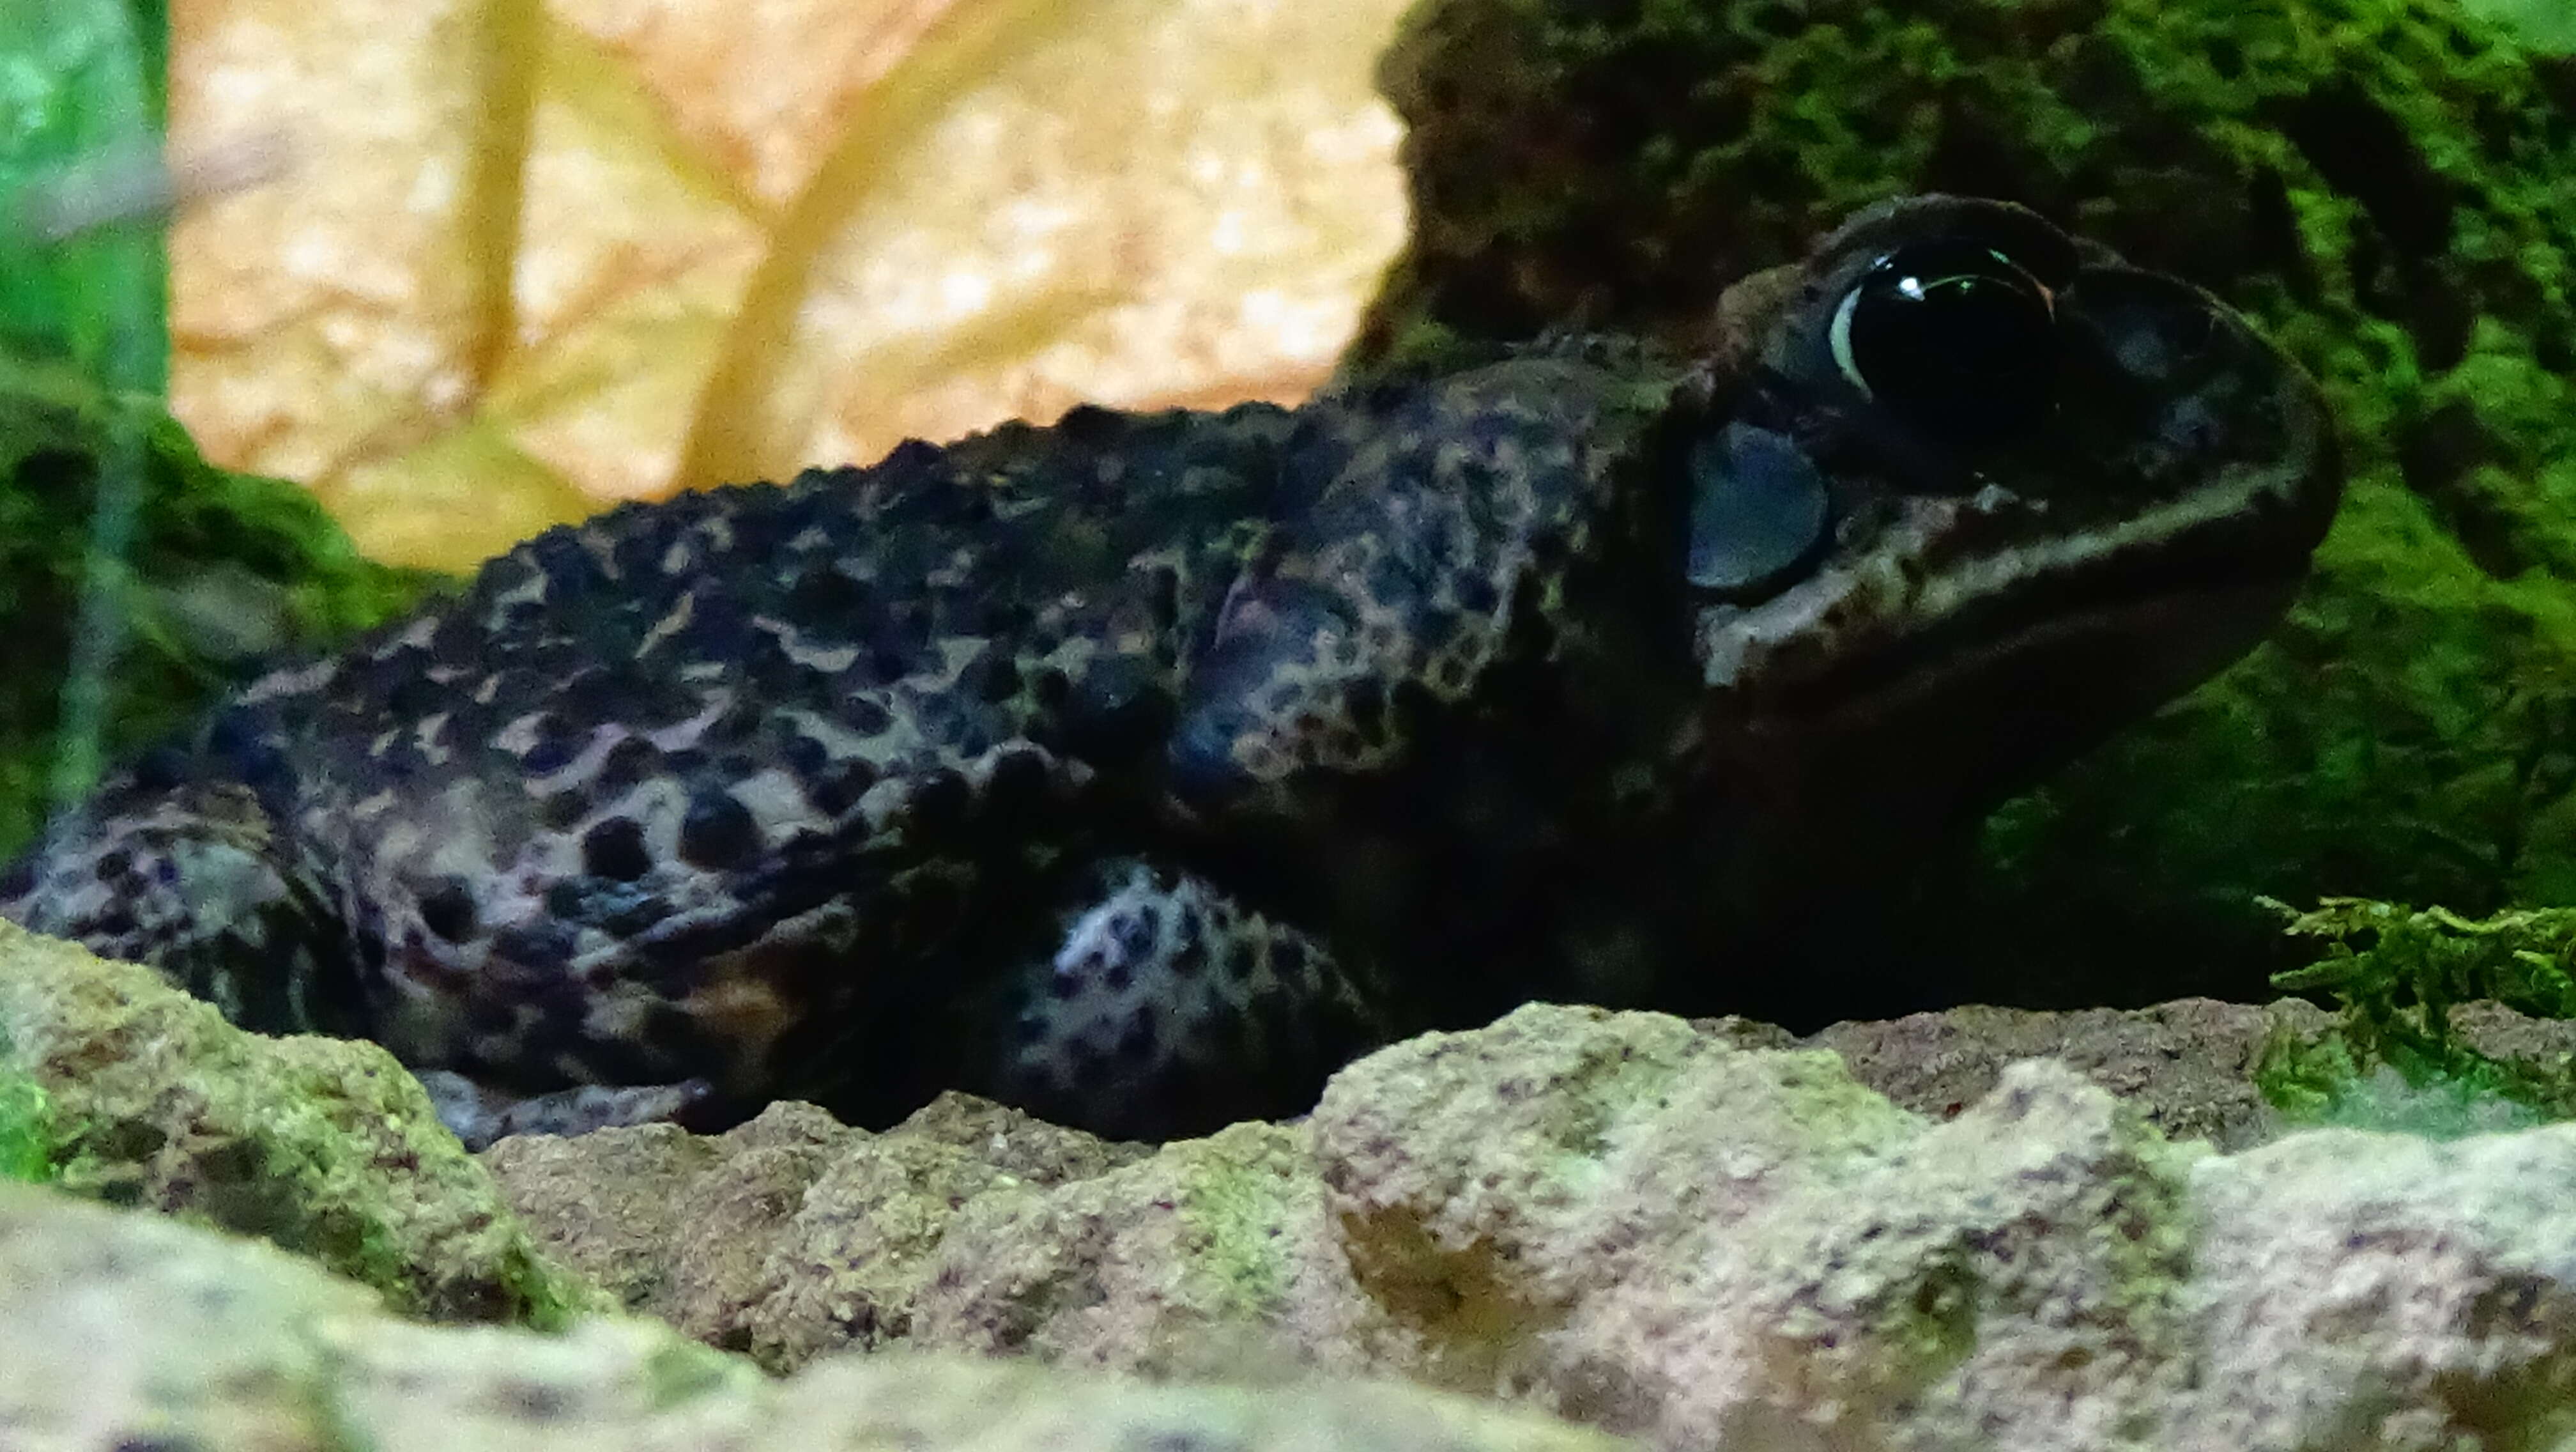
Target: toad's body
{"x": 1142, "y": 768}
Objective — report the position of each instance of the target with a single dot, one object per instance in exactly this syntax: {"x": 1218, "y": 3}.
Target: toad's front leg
{"x": 1165, "y": 1007}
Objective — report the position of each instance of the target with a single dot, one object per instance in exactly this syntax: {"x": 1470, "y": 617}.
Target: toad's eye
{"x": 1956, "y": 339}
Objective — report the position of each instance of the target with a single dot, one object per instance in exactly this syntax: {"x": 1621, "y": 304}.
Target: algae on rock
{"x": 27, "y": 1148}
{"x": 144, "y": 1096}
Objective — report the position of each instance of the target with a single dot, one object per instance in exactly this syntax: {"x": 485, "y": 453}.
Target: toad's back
{"x": 742, "y": 788}
{"x": 596, "y": 805}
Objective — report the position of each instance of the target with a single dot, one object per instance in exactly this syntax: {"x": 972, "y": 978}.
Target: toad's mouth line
{"x": 2107, "y": 651}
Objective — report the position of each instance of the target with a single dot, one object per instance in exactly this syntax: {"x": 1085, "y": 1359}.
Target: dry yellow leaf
{"x": 535, "y": 255}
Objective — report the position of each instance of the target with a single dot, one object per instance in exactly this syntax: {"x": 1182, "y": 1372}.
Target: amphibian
{"x": 1143, "y": 768}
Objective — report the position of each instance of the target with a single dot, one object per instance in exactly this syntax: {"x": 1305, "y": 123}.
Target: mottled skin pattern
{"x": 1141, "y": 769}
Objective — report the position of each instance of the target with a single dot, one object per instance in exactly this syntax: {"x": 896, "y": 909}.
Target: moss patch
{"x": 2393, "y": 1060}
{"x": 322, "y": 1147}
{"x": 27, "y": 1145}
{"x": 222, "y": 571}
{"x": 1242, "y": 1190}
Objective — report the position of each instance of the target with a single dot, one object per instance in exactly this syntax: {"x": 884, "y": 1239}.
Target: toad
{"x": 1141, "y": 769}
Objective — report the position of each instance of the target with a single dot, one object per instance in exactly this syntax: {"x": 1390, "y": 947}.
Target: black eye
{"x": 1955, "y": 338}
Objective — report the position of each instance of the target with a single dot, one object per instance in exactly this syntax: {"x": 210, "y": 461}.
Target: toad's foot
{"x": 478, "y": 1114}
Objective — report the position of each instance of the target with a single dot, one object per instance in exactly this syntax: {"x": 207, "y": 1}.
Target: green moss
{"x": 27, "y": 1146}
{"x": 2546, "y": 24}
{"x": 331, "y": 1201}
{"x": 1233, "y": 1205}
{"x": 2381, "y": 183}
{"x": 2393, "y": 1060}
{"x": 683, "y": 1371}
{"x": 30, "y": 1141}
{"x": 550, "y": 1298}
{"x": 221, "y": 571}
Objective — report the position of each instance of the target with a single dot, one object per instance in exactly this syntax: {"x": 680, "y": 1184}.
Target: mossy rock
{"x": 2382, "y": 183}
{"x": 146, "y": 579}
{"x": 118, "y": 1087}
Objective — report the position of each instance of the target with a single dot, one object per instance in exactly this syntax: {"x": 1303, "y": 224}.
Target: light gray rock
{"x": 2375, "y": 1290}
{"x": 1713, "y": 1247}
{"x": 121, "y": 1331}
{"x": 1681, "y": 1233}
{"x": 1690, "y": 1234}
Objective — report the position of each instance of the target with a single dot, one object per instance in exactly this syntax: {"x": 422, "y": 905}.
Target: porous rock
{"x": 2190, "y": 1066}
{"x": 969, "y": 1227}
{"x": 1643, "y": 1224}
{"x": 1716, "y": 1248}
{"x": 792, "y": 1233}
{"x": 121, "y": 1331}
{"x": 1651, "y": 1231}
{"x": 2186, "y": 1066}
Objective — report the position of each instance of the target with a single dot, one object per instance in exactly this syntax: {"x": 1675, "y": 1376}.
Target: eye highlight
{"x": 1955, "y": 338}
